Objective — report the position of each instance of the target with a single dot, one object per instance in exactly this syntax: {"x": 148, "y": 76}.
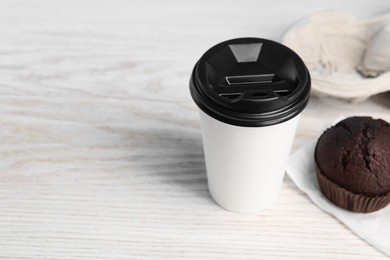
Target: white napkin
{"x": 372, "y": 227}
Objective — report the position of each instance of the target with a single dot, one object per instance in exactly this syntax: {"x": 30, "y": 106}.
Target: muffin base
{"x": 349, "y": 200}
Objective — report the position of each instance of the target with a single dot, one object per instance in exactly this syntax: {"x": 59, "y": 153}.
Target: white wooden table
{"x": 100, "y": 149}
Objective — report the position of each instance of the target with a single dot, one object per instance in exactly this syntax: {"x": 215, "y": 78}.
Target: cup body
{"x": 245, "y": 165}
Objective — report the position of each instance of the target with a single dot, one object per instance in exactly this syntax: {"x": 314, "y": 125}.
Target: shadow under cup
{"x": 250, "y": 93}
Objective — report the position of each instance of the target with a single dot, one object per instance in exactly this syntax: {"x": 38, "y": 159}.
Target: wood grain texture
{"x": 100, "y": 148}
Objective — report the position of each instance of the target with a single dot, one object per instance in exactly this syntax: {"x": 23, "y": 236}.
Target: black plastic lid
{"x": 250, "y": 82}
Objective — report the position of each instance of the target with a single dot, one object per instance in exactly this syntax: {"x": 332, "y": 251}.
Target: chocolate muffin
{"x": 353, "y": 164}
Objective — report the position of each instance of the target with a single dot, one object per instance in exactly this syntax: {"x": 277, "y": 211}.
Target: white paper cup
{"x": 250, "y": 93}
